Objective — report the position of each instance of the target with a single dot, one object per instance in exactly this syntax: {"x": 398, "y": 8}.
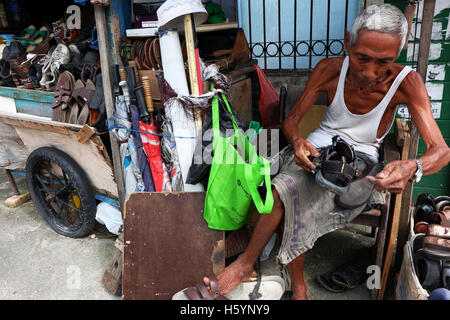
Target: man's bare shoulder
{"x": 331, "y": 66}
{"x": 325, "y": 73}
{"x": 413, "y": 87}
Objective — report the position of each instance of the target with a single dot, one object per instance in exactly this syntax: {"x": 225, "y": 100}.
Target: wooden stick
{"x": 100, "y": 20}
{"x": 189, "y": 34}
{"x": 395, "y": 221}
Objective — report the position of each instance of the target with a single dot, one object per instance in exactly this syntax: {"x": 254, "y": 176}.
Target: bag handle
{"x": 263, "y": 208}
{"x": 248, "y": 171}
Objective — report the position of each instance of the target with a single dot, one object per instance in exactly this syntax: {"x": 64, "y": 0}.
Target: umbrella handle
{"x": 148, "y": 94}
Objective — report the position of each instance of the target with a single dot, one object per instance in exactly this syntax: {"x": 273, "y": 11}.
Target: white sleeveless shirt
{"x": 358, "y": 130}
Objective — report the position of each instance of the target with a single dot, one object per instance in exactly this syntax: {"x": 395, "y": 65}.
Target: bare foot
{"x": 299, "y": 293}
{"x": 232, "y": 276}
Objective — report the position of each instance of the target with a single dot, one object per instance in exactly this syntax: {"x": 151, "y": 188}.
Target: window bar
{"x": 346, "y": 22}
{"x": 295, "y": 34}
{"x": 279, "y": 34}
{"x": 310, "y": 35}
{"x": 327, "y": 48}
{"x": 236, "y": 16}
{"x": 264, "y": 27}
{"x": 250, "y": 25}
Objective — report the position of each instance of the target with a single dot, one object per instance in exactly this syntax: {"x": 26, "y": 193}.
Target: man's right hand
{"x": 302, "y": 150}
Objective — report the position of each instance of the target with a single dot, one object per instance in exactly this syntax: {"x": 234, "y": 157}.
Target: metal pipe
{"x": 264, "y": 27}
{"x": 310, "y": 35}
{"x": 279, "y": 33}
{"x": 295, "y": 34}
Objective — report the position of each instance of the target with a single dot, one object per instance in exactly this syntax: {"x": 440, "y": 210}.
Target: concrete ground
{"x": 37, "y": 263}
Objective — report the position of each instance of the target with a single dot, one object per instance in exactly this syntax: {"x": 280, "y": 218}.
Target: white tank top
{"x": 358, "y": 130}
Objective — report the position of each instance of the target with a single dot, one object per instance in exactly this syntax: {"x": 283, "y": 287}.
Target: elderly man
{"x": 364, "y": 90}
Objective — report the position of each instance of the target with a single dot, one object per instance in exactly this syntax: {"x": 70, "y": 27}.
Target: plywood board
{"x": 168, "y": 245}
{"x": 13, "y": 152}
{"x": 91, "y": 156}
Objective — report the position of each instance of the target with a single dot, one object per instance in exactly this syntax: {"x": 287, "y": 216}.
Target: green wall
{"x": 438, "y": 85}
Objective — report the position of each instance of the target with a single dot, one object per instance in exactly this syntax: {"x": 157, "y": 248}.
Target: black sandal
{"x": 349, "y": 277}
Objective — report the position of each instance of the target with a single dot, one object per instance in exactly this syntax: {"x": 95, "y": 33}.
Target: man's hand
{"x": 394, "y": 176}
{"x": 302, "y": 150}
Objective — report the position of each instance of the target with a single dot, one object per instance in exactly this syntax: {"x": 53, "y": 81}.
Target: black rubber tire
{"x": 76, "y": 183}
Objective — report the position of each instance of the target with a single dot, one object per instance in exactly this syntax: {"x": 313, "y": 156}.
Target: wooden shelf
{"x": 151, "y": 32}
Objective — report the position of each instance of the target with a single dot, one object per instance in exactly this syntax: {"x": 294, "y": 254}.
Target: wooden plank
{"x": 422, "y": 67}
{"x": 85, "y": 133}
{"x": 104, "y": 47}
{"x": 395, "y": 224}
{"x": 192, "y": 64}
{"x": 241, "y": 99}
{"x": 25, "y": 94}
{"x": 168, "y": 245}
{"x": 91, "y": 156}
{"x": 112, "y": 278}
{"x": 37, "y": 125}
{"x": 13, "y": 152}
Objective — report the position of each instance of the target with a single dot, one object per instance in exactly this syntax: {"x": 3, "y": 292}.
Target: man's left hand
{"x": 394, "y": 177}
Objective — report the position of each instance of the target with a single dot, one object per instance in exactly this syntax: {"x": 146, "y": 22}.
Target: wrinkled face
{"x": 372, "y": 55}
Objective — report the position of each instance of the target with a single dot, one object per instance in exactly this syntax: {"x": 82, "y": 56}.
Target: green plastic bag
{"x": 236, "y": 173}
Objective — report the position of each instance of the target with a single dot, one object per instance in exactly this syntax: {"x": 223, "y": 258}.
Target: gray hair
{"x": 384, "y": 18}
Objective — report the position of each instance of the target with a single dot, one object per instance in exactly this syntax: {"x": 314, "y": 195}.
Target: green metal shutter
{"x": 438, "y": 85}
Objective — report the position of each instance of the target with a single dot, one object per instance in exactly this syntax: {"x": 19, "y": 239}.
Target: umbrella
{"x": 130, "y": 168}
{"x": 152, "y": 146}
{"x": 141, "y": 155}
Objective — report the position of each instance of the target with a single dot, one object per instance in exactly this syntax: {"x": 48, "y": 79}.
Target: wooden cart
{"x": 67, "y": 166}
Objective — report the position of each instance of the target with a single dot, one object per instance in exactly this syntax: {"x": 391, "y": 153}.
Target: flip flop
{"x": 349, "y": 277}
{"x": 27, "y": 33}
{"x": 327, "y": 282}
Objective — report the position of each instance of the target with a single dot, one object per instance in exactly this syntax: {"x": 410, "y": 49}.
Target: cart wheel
{"x": 61, "y": 192}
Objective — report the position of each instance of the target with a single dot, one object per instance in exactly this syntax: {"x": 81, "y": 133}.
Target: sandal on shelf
{"x": 39, "y": 37}
{"x": 27, "y": 33}
{"x": 75, "y": 104}
{"x": 83, "y": 95}
{"x": 63, "y": 95}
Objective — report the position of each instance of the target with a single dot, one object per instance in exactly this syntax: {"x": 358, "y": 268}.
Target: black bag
{"x": 202, "y": 160}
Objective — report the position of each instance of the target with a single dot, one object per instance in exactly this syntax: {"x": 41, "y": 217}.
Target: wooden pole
{"x": 100, "y": 20}
{"x": 395, "y": 221}
{"x": 422, "y": 66}
{"x": 193, "y": 76}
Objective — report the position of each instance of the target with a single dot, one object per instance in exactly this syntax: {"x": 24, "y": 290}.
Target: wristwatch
{"x": 418, "y": 175}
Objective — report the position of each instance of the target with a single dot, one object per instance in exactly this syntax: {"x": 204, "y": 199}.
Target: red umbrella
{"x": 152, "y": 146}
